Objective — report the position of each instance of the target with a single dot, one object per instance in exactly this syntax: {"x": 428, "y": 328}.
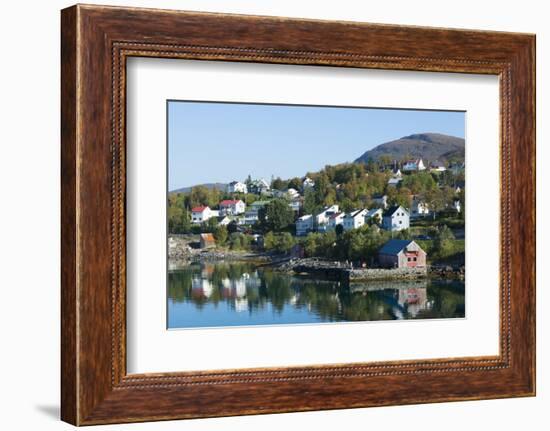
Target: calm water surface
{"x": 241, "y": 294}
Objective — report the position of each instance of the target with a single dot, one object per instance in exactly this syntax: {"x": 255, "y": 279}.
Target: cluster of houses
{"x": 393, "y": 219}
{"x": 236, "y": 210}
{"x": 262, "y": 187}
{"x": 417, "y": 165}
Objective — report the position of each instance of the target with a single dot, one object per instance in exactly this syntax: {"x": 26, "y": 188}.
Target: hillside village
{"x": 348, "y": 212}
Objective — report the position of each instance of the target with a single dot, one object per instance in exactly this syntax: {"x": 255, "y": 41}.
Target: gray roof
{"x": 393, "y": 209}
{"x": 394, "y": 246}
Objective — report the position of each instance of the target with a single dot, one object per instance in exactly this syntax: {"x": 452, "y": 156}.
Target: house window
{"x": 414, "y": 259}
{"x": 409, "y": 259}
{"x": 400, "y": 222}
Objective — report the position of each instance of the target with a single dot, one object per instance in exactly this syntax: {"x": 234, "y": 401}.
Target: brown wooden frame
{"x": 95, "y": 43}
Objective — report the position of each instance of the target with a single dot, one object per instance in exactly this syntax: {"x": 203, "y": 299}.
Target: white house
{"x": 252, "y": 214}
{"x": 293, "y": 193}
{"x": 437, "y": 166}
{"x": 304, "y": 225}
{"x": 375, "y": 214}
{"x": 286, "y": 194}
{"x": 414, "y": 165}
{"x": 394, "y": 181}
{"x": 308, "y": 183}
{"x": 201, "y": 287}
{"x": 224, "y": 220}
{"x": 396, "y": 218}
{"x": 355, "y": 219}
{"x": 457, "y": 206}
{"x": 259, "y": 186}
{"x": 237, "y": 187}
{"x": 295, "y": 204}
{"x": 419, "y": 208}
{"x": 323, "y": 217}
{"x": 335, "y": 219}
{"x": 380, "y": 201}
{"x": 232, "y": 207}
{"x": 202, "y": 214}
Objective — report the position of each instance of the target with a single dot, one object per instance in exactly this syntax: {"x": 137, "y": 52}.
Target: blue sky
{"x": 212, "y": 142}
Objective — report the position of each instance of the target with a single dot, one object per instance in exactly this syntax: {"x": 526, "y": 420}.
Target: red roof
{"x": 229, "y": 202}
{"x": 198, "y": 209}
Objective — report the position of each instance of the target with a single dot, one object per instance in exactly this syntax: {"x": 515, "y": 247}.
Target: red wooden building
{"x": 400, "y": 253}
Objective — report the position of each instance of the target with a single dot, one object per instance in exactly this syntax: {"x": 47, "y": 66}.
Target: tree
{"x": 269, "y": 241}
{"x": 221, "y": 234}
{"x": 321, "y": 189}
{"x": 418, "y": 183}
{"x": 385, "y": 159}
{"x": 286, "y": 242}
{"x": 295, "y": 183}
{"x": 278, "y": 184}
{"x": 360, "y": 244}
{"x": 276, "y": 215}
{"x": 443, "y": 243}
{"x": 239, "y": 241}
{"x": 281, "y": 242}
{"x": 232, "y": 227}
{"x": 309, "y": 202}
{"x": 311, "y": 244}
{"x": 210, "y": 225}
{"x": 339, "y": 230}
{"x": 435, "y": 200}
{"x": 375, "y": 220}
{"x": 179, "y": 220}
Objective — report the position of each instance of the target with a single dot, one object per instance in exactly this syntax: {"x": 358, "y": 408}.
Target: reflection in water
{"x": 235, "y": 294}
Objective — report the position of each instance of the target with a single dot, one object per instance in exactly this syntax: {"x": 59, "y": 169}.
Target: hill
{"x": 210, "y": 186}
{"x": 428, "y": 146}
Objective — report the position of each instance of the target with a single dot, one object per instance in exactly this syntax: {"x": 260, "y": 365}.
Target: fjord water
{"x": 242, "y": 294}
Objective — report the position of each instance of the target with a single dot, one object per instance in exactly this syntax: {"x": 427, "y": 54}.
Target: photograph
{"x": 294, "y": 214}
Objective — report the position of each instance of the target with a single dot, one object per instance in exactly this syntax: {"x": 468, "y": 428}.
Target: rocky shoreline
{"x": 180, "y": 253}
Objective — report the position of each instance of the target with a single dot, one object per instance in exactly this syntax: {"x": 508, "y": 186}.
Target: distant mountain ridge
{"x": 210, "y": 186}
{"x": 428, "y": 146}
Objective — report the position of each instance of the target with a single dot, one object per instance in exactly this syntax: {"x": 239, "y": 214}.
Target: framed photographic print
{"x": 324, "y": 214}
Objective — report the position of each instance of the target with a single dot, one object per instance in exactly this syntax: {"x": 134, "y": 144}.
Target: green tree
{"x": 179, "y": 220}
{"x": 211, "y": 225}
{"x": 385, "y": 159}
{"x": 295, "y": 183}
{"x": 311, "y": 244}
{"x": 279, "y": 184}
{"x": 418, "y": 183}
{"x": 435, "y": 200}
{"x": 221, "y": 234}
{"x": 309, "y": 202}
{"x": 276, "y": 215}
{"x": 269, "y": 241}
{"x": 443, "y": 242}
{"x": 321, "y": 189}
{"x": 239, "y": 241}
{"x": 281, "y": 242}
{"x": 285, "y": 243}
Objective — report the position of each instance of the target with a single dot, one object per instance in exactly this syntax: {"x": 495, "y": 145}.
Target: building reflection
{"x": 201, "y": 287}
{"x": 246, "y": 289}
